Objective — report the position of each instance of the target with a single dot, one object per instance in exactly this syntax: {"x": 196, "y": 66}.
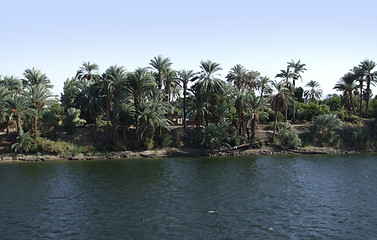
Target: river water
{"x": 264, "y": 197}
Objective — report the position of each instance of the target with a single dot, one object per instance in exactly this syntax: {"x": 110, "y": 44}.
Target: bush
{"x": 215, "y": 136}
{"x": 287, "y": 136}
{"x": 25, "y": 143}
{"x": 323, "y": 129}
{"x": 307, "y": 112}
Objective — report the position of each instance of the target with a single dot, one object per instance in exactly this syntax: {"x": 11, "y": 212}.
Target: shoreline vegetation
{"x": 157, "y": 111}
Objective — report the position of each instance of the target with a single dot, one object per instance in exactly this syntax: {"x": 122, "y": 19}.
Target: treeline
{"x": 138, "y": 108}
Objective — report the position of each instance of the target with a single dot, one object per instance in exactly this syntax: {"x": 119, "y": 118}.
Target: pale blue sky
{"x": 58, "y": 36}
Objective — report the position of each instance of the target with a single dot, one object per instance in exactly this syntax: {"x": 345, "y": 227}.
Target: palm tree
{"x": 35, "y": 77}
{"x": 315, "y": 91}
{"x": 347, "y": 85}
{"x": 160, "y": 64}
{"x": 209, "y": 82}
{"x": 88, "y": 71}
{"x": 286, "y": 75}
{"x": 263, "y": 84}
{"x": 186, "y": 76}
{"x": 171, "y": 83}
{"x": 18, "y": 107}
{"x": 357, "y": 73}
{"x": 38, "y": 94}
{"x": 197, "y": 105}
{"x": 238, "y": 75}
{"x": 280, "y": 100}
{"x": 151, "y": 115}
{"x": 139, "y": 83}
{"x": 297, "y": 68}
{"x": 258, "y": 108}
{"x": 367, "y": 66}
{"x": 13, "y": 84}
{"x": 116, "y": 76}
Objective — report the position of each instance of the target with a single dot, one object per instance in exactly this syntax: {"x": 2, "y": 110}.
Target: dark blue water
{"x": 285, "y": 197}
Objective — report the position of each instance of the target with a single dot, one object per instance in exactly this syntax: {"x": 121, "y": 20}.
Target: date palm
{"x": 238, "y": 75}
{"x": 116, "y": 77}
{"x": 171, "y": 83}
{"x": 160, "y": 64}
{"x": 258, "y": 108}
{"x": 18, "y": 107}
{"x": 38, "y": 95}
{"x": 347, "y": 85}
{"x": 209, "y": 81}
{"x": 263, "y": 84}
{"x": 186, "y": 76}
{"x": 139, "y": 83}
{"x": 357, "y": 73}
{"x": 297, "y": 68}
{"x": 35, "y": 77}
{"x": 279, "y": 101}
{"x": 13, "y": 84}
{"x": 367, "y": 67}
{"x": 315, "y": 92}
{"x": 88, "y": 72}
{"x": 286, "y": 75}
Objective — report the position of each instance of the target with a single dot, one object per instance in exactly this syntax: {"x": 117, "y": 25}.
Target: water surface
{"x": 282, "y": 197}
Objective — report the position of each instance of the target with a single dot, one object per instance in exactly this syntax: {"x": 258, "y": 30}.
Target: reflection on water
{"x": 285, "y": 197}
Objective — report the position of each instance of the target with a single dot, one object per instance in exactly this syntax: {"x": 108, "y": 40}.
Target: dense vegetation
{"x": 157, "y": 106}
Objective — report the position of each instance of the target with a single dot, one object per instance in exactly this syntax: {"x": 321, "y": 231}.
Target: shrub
{"x": 323, "y": 129}
{"x": 287, "y": 136}
{"x": 215, "y": 136}
{"x": 25, "y": 143}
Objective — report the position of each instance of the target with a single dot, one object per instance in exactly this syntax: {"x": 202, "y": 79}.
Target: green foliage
{"x": 72, "y": 119}
{"x": 215, "y": 136}
{"x": 356, "y": 136}
{"x": 323, "y": 129}
{"x": 307, "y": 112}
{"x": 287, "y": 136}
{"x": 148, "y": 143}
{"x": 373, "y": 108}
{"x": 25, "y": 143}
{"x": 334, "y": 102}
{"x": 352, "y": 118}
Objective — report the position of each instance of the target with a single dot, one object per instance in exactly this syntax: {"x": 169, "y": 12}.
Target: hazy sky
{"x": 330, "y": 37}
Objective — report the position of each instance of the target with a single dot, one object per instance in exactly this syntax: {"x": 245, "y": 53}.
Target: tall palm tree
{"x": 171, "y": 82}
{"x": 88, "y": 71}
{"x": 263, "y": 84}
{"x": 315, "y": 91}
{"x": 280, "y": 99}
{"x": 18, "y": 107}
{"x": 38, "y": 95}
{"x": 367, "y": 66}
{"x": 258, "y": 108}
{"x": 34, "y": 77}
{"x": 209, "y": 82}
{"x": 116, "y": 77}
{"x": 139, "y": 83}
{"x": 357, "y": 73}
{"x": 13, "y": 84}
{"x": 186, "y": 76}
{"x": 297, "y": 68}
{"x": 347, "y": 85}
{"x": 197, "y": 106}
{"x": 238, "y": 75}
{"x": 151, "y": 115}
{"x": 286, "y": 75}
{"x": 160, "y": 64}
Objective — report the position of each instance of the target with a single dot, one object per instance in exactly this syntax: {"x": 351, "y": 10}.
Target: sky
{"x": 56, "y": 37}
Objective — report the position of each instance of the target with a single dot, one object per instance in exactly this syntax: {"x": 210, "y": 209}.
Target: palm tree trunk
{"x": 368, "y": 96}
{"x": 7, "y": 126}
{"x": 184, "y": 106}
{"x": 114, "y": 120}
{"x": 294, "y": 103}
{"x": 18, "y": 124}
{"x": 35, "y": 122}
{"x": 276, "y": 119}
{"x": 253, "y": 131}
{"x": 361, "y": 98}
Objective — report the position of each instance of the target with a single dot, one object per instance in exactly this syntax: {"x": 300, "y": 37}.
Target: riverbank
{"x": 173, "y": 152}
